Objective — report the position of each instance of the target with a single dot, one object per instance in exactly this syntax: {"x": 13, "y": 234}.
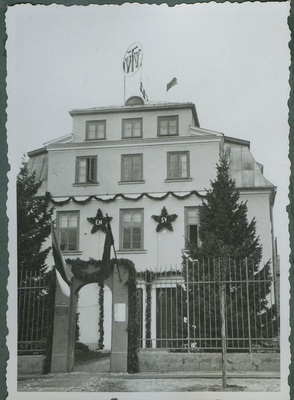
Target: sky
{"x": 231, "y": 60}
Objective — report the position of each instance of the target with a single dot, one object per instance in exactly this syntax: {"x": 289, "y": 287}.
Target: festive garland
{"x": 101, "y": 317}
{"x": 124, "y": 197}
{"x": 149, "y": 277}
{"x": 78, "y": 267}
{"x": 133, "y": 322}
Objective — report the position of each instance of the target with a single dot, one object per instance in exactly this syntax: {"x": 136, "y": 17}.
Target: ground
{"x": 91, "y": 375}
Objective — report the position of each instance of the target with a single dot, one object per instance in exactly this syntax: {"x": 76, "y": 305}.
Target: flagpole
{"x": 124, "y": 91}
{"x": 117, "y": 264}
{"x": 119, "y": 276}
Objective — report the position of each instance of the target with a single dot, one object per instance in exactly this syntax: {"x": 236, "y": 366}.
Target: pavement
{"x": 94, "y": 377}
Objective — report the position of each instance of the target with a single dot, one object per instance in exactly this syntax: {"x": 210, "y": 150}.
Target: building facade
{"x": 147, "y": 166}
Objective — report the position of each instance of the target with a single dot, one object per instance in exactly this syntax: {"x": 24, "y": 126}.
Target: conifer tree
{"x": 33, "y": 228}
{"x": 230, "y": 252}
{"x": 33, "y": 222}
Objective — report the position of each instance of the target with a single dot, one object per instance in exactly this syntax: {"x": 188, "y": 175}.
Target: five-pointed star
{"x": 164, "y": 220}
{"x": 99, "y": 222}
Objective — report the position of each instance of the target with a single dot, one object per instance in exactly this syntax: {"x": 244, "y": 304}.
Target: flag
{"x": 172, "y": 83}
{"x": 63, "y": 272}
{"x": 107, "y": 248}
{"x": 142, "y": 90}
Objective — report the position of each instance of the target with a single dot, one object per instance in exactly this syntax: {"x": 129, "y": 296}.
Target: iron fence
{"x": 33, "y": 313}
{"x": 180, "y": 308}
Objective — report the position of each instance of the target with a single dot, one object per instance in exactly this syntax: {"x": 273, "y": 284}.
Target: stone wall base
{"x": 164, "y": 361}
{"x": 30, "y": 365}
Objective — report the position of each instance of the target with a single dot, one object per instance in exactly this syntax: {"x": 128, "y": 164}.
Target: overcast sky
{"x": 231, "y": 60}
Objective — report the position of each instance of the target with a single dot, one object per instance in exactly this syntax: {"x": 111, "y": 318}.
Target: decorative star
{"x": 99, "y": 222}
{"x": 164, "y": 220}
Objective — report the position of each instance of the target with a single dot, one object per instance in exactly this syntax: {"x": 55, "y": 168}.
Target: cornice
{"x": 126, "y": 143}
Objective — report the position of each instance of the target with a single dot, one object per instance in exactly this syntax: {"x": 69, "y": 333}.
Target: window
{"x": 178, "y": 165}
{"x": 192, "y": 224}
{"x": 95, "y": 130}
{"x": 132, "y": 167}
{"x": 132, "y": 229}
{"x": 168, "y": 126}
{"x": 132, "y": 127}
{"x": 68, "y": 231}
{"x": 86, "y": 169}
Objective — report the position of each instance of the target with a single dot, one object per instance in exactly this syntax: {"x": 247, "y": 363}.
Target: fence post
{"x": 248, "y": 306}
{"x": 223, "y": 324}
{"x": 223, "y": 333}
{"x": 188, "y": 305}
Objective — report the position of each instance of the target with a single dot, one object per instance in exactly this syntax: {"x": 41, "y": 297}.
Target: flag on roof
{"x": 172, "y": 83}
{"x": 63, "y": 271}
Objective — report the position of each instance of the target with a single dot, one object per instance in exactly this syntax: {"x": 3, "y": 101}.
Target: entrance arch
{"x": 89, "y": 314}
{"x": 63, "y": 346}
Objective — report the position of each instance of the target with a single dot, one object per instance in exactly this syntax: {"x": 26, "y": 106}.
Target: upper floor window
{"x": 168, "y": 125}
{"x": 132, "y": 127}
{"x": 131, "y": 167}
{"x": 86, "y": 169}
{"x": 131, "y": 232}
{"x": 192, "y": 225}
{"x": 68, "y": 230}
{"x": 95, "y": 130}
{"x": 178, "y": 165}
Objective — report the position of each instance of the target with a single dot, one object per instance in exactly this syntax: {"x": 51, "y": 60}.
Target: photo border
{"x": 4, "y": 168}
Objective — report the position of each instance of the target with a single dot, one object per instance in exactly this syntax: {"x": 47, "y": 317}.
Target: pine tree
{"x": 33, "y": 222}
{"x": 37, "y": 285}
{"x": 230, "y": 254}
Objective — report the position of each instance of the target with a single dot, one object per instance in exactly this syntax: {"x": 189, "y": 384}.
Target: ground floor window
{"x": 191, "y": 225}
{"x": 131, "y": 232}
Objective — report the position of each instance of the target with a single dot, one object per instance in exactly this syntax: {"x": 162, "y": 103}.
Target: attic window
{"x": 168, "y": 125}
{"x": 95, "y": 130}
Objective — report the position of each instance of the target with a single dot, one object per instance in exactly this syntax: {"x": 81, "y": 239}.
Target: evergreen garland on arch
{"x": 149, "y": 277}
{"x": 101, "y": 316}
{"x": 79, "y": 266}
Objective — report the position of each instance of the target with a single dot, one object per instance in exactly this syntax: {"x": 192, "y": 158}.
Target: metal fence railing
{"x": 180, "y": 309}
{"x": 33, "y": 313}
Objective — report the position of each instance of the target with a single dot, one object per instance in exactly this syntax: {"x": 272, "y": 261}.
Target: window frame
{"x": 96, "y": 122}
{"x": 178, "y": 153}
{"x": 88, "y": 181}
{"x": 187, "y": 225}
{"x": 132, "y": 120}
{"x": 59, "y": 229}
{"x": 167, "y": 118}
{"x": 121, "y": 236}
{"x": 124, "y": 156}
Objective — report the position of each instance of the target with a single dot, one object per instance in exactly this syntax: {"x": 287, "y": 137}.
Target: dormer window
{"x": 132, "y": 128}
{"x": 168, "y": 125}
{"x": 96, "y": 130}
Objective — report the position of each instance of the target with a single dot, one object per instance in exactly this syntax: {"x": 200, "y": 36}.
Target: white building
{"x": 132, "y": 161}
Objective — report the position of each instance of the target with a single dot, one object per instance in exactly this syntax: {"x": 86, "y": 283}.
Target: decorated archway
{"x": 121, "y": 281}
